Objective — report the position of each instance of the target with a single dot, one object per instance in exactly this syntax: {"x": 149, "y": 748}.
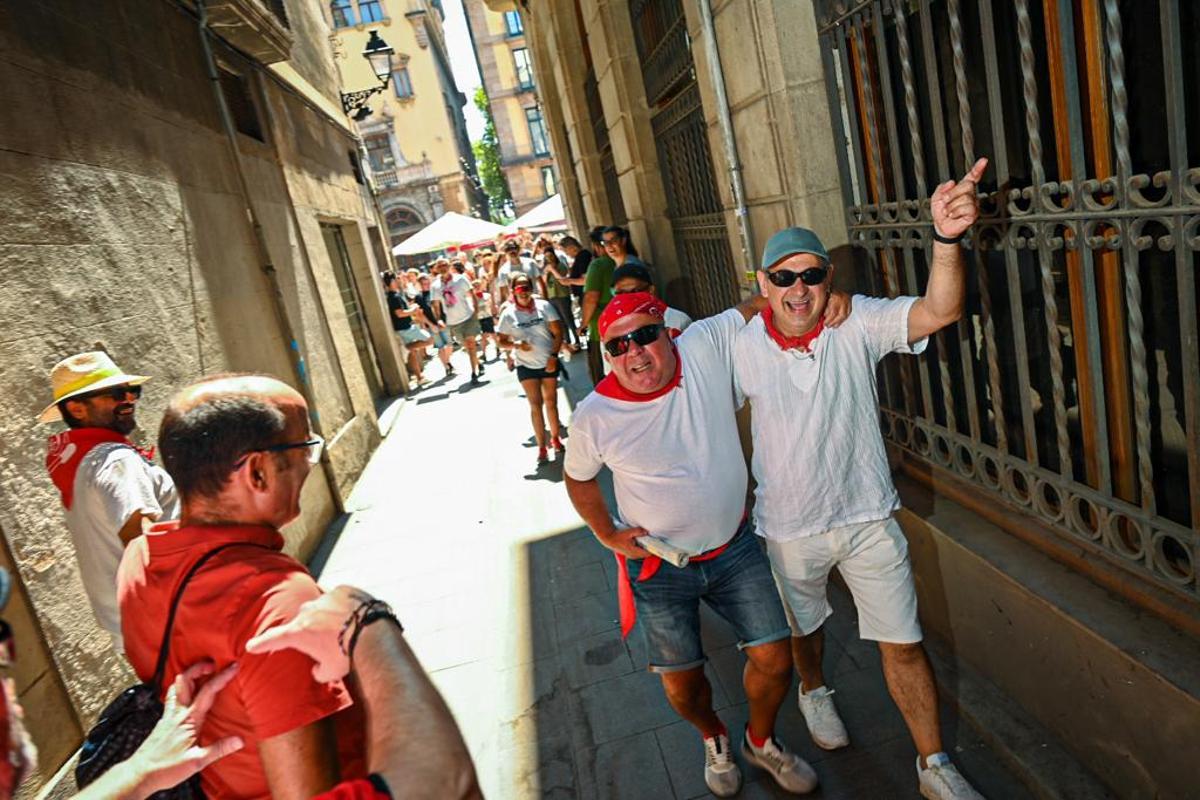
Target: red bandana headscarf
{"x": 624, "y": 305}
{"x": 802, "y": 342}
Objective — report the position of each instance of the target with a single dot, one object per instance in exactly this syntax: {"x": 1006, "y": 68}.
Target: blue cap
{"x": 789, "y": 242}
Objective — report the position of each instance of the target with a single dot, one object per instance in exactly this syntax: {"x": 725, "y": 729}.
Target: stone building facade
{"x": 126, "y": 228}
{"x": 505, "y": 57}
{"x": 415, "y": 135}
{"x": 1047, "y": 447}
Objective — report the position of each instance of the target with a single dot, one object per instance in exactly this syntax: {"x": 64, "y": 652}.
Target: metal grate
{"x": 1071, "y": 389}
{"x": 693, "y": 203}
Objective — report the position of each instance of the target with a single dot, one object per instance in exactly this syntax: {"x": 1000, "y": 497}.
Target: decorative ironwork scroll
{"x": 1082, "y": 297}
{"x": 681, "y": 135}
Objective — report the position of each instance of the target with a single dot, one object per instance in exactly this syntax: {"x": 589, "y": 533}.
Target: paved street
{"x": 510, "y": 604}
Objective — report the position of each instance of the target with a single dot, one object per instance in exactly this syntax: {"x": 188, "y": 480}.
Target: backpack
{"x": 126, "y": 722}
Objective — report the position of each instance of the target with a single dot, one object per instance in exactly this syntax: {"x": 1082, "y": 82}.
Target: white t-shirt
{"x": 527, "y": 266}
{"x": 458, "y": 299}
{"x": 112, "y": 483}
{"x": 530, "y": 326}
{"x": 674, "y": 318}
{"x": 676, "y": 460}
{"x": 819, "y": 458}
{"x": 483, "y": 306}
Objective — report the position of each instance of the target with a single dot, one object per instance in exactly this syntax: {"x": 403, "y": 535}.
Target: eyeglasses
{"x": 315, "y": 445}
{"x": 813, "y": 276}
{"x": 114, "y": 393}
{"x": 644, "y": 335}
{"x": 610, "y": 242}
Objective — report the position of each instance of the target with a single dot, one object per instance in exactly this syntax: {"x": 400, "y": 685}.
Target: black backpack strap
{"x": 160, "y": 669}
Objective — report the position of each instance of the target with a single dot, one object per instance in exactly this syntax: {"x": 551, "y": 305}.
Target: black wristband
{"x": 937, "y": 237}
{"x": 374, "y": 612}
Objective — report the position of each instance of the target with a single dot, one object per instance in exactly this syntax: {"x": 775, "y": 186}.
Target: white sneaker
{"x": 940, "y": 780}
{"x": 721, "y": 772}
{"x": 789, "y": 770}
{"x": 828, "y": 732}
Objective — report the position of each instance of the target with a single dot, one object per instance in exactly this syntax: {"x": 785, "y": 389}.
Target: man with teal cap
{"x": 825, "y": 495}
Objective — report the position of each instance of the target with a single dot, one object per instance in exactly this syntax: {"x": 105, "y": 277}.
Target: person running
{"x": 434, "y": 323}
{"x": 532, "y": 334}
{"x": 415, "y": 339}
{"x": 485, "y": 312}
{"x": 557, "y": 290}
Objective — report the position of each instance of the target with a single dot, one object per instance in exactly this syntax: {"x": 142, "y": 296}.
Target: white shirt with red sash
{"x": 103, "y": 480}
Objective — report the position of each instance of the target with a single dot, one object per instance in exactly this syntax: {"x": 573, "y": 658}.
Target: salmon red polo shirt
{"x": 236, "y": 595}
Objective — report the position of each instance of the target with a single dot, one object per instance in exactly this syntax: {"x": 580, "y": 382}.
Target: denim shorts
{"x": 737, "y": 585}
{"x": 440, "y": 338}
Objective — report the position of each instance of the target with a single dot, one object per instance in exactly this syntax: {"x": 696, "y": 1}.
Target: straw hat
{"x": 83, "y": 373}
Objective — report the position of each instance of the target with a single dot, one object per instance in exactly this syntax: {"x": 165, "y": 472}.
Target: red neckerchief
{"x": 67, "y": 449}
{"x": 803, "y": 342}
{"x": 611, "y": 387}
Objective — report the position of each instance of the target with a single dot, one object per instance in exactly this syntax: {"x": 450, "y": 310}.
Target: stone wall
{"x": 124, "y": 229}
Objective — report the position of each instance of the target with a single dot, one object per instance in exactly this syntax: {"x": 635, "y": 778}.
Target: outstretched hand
{"x": 314, "y": 631}
{"x": 954, "y": 206}
{"x": 172, "y": 753}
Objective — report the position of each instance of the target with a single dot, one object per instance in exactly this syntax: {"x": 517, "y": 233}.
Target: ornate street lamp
{"x": 379, "y": 54}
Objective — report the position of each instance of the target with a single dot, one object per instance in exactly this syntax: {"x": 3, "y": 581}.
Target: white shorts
{"x": 873, "y": 560}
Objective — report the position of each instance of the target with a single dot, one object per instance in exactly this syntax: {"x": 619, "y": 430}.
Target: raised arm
{"x": 954, "y": 208}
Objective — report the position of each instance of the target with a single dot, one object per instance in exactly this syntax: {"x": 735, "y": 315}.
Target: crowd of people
{"x": 184, "y": 565}
{"x": 531, "y": 300}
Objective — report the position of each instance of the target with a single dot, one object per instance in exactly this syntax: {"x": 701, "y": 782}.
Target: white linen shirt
{"x": 676, "y": 460}
{"x": 819, "y": 458}
{"x": 112, "y": 483}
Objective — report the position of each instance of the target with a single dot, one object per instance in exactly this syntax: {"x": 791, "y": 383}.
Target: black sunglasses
{"x": 114, "y": 392}
{"x": 643, "y": 336}
{"x": 813, "y": 276}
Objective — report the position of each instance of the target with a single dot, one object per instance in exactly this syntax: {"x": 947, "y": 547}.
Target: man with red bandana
{"x": 824, "y": 494}
{"x": 663, "y": 422}
{"x": 110, "y": 489}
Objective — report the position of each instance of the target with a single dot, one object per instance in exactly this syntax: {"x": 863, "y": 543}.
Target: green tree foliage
{"x": 487, "y": 161}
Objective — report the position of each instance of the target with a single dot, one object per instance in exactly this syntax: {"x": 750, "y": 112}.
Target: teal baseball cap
{"x": 789, "y": 242}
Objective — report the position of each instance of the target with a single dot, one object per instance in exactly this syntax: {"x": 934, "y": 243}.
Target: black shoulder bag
{"x": 126, "y": 722}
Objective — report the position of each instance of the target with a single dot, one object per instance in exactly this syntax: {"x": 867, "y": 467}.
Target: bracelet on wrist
{"x": 368, "y": 611}
{"x": 937, "y": 237}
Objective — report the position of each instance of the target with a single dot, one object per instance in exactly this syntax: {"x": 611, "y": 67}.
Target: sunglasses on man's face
{"x": 117, "y": 393}
{"x": 813, "y": 276}
{"x": 643, "y": 336}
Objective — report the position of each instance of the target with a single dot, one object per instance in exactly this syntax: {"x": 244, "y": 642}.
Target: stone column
{"x": 623, "y": 96}
{"x": 776, "y": 89}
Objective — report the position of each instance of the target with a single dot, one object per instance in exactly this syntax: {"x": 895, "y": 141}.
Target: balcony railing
{"x": 403, "y": 176}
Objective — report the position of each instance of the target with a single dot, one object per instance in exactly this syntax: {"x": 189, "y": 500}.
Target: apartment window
{"x": 241, "y": 104}
{"x": 512, "y": 23}
{"x": 369, "y": 11}
{"x": 379, "y": 151}
{"x": 402, "y": 83}
{"x": 537, "y": 131}
{"x": 548, "y": 182}
{"x": 342, "y": 12}
{"x": 524, "y": 68}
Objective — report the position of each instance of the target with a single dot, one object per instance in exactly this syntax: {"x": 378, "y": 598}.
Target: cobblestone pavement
{"x": 510, "y": 605}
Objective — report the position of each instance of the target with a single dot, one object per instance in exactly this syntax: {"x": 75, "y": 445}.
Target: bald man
{"x": 239, "y": 448}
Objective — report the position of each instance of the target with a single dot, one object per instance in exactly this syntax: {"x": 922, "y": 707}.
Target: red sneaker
{"x": 557, "y": 444}
{"x": 543, "y": 456}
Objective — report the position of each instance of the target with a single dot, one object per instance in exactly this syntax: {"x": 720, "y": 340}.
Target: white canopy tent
{"x": 449, "y": 230}
{"x": 546, "y": 217}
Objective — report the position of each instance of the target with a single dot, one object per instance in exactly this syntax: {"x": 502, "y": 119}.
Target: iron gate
{"x": 1071, "y": 388}
{"x": 693, "y": 203}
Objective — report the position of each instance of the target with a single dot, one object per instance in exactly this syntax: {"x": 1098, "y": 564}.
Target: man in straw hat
{"x": 109, "y": 488}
